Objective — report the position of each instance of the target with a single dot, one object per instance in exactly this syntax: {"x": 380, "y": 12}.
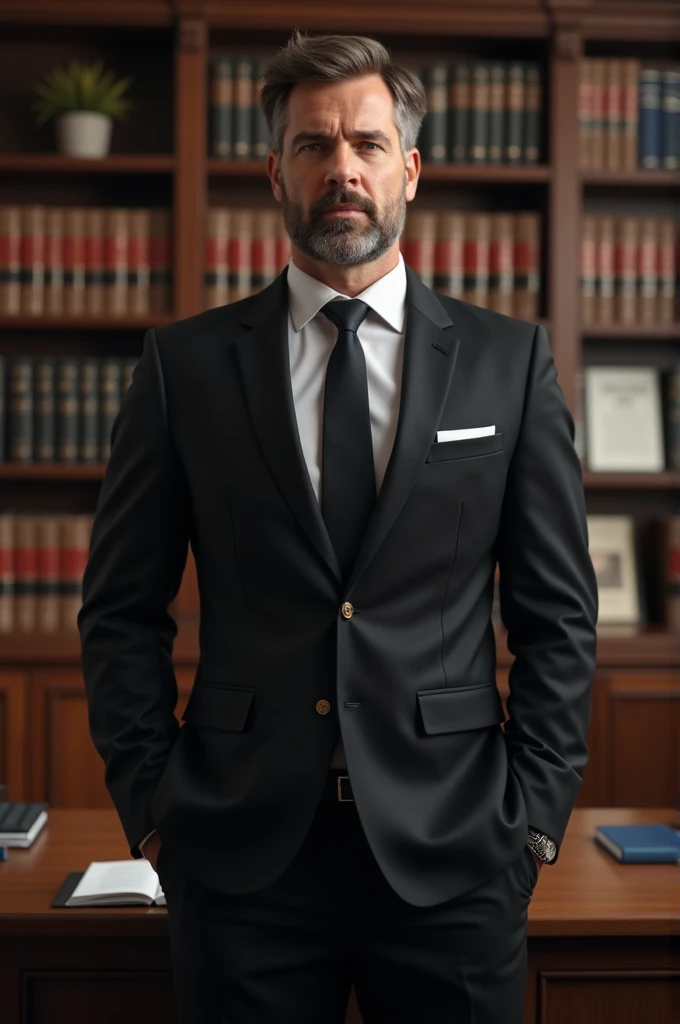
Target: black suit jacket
{"x": 205, "y": 450}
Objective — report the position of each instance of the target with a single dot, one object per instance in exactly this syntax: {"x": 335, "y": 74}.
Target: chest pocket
{"x": 465, "y": 448}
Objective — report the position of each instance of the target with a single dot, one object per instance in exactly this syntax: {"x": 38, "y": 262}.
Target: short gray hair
{"x": 334, "y": 58}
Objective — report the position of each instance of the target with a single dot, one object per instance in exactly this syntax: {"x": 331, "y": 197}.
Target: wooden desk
{"x": 604, "y": 939}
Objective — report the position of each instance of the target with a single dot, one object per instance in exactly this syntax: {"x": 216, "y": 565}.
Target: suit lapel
{"x": 430, "y": 352}
{"x": 265, "y": 369}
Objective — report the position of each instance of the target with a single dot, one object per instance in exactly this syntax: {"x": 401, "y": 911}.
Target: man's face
{"x": 341, "y": 146}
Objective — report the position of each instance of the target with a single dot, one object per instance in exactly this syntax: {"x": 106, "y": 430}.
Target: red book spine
{"x": 26, "y": 571}
{"x": 7, "y": 573}
{"x": 160, "y": 261}
{"x": 54, "y": 262}
{"x": 33, "y": 260}
{"x": 10, "y": 260}
{"x": 74, "y": 261}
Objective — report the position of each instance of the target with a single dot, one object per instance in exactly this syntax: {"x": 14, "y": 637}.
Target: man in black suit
{"x": 349, "y": 455}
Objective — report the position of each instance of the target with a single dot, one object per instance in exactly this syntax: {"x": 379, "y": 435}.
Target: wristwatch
{"x": 544, "y": 848}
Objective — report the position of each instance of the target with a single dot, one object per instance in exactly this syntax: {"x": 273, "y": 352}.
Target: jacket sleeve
{"x": 548, "y": 602}
{"x": 137, "y": 554}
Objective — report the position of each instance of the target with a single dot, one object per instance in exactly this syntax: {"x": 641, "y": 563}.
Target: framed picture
{"x": 613, "y": 552}
{"x": 624, "y": 419}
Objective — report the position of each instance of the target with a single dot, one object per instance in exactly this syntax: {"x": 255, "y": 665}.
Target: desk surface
{"x": 586, "y": 893}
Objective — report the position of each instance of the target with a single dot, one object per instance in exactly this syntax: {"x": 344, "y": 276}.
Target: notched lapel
{"x": 263, "y": 358}
{"x": 430, "y": 351}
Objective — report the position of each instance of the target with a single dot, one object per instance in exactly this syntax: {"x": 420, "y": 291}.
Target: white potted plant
{"x": 84, "y": 100}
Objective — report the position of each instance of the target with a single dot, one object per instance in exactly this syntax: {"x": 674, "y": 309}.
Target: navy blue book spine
{"x": 650, "y": 118}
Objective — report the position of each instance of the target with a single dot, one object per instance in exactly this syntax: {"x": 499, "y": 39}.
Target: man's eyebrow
{"x": 372, "y": 134}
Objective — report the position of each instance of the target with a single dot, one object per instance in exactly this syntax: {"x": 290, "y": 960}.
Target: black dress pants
{"x": 289, "y": 953}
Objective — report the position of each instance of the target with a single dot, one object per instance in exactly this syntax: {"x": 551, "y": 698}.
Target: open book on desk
{"x": 112, "y": 883}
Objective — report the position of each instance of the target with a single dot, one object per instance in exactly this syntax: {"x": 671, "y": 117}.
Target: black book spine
{"x": 110, "y": 375}
{"x": 243, "y": 109}
{"x": 434, "y": 128}
{"x": 479, "y": 141}
{"x": 67, "y": 409}
{"x": 514, "y": 105}
{"x": 221, "y": 107}
{"x": 20, "y": 411}
{"x": 532, "y": 113}
{"x": 88, "y": 411}
{"x": 44, "y": 404}
{"x": 496, "y": 111}
{"x": 459, "y": 112}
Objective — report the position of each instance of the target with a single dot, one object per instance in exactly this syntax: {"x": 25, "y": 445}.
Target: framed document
{"x": 624, "y": 419}
{"x": 611, "y": 542}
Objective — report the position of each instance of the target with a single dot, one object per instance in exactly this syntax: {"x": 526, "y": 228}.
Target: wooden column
{"x": 564, "y": 212}
{"x": 190, "y": 100}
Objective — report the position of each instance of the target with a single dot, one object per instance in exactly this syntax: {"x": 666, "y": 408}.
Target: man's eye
{"x": 308, "y": 145}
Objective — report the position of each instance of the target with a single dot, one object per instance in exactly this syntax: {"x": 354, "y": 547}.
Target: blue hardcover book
{"x": 640, "y": 844}
{"x": 650, "y": 118}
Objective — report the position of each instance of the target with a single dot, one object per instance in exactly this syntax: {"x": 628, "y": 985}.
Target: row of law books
{"x": 84, "y": 261}
{"x": 489, "y": 259}
{"x": 629, "y": 270}
{"x": 60, "y": 409}
{"x": 652, "y": 546}
{"x": 478, "y": 111}
{"x": 42, "y": 562}
{"x": 482, "y": 112}
{"x": 629, "y": 116}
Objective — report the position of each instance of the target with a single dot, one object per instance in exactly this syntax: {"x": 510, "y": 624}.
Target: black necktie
{"x": 348, "y": 490}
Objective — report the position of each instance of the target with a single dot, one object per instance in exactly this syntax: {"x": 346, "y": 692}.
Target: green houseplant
{"x": 84, "y": 100}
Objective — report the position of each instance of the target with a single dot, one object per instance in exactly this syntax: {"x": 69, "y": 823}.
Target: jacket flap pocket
{"x": 218, "y": 707}
{"x": 465, "y": 448}
{"x": 457, "y": 709}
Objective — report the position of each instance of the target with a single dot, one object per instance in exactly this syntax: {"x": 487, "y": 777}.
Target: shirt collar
{"x": 386, "y": 296}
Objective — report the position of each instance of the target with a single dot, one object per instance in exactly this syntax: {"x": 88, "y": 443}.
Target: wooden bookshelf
{"x": 83, "y": 323}
{"x": 55, "y": 163}
{"x": 632, "y": 179}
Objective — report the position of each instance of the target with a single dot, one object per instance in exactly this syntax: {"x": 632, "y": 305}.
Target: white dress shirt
{"x": 311, "y": 337}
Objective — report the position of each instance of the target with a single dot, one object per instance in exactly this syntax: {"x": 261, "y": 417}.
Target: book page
{"x": 118, "y": 878}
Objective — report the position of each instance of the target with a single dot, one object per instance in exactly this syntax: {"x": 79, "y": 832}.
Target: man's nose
{"x": 342, "y": 167}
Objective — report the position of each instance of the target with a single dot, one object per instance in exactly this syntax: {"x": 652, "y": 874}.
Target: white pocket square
{"x": 467, "y": 432}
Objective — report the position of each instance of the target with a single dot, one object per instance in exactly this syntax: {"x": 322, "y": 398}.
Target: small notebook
{"x": 640, "y": 844}
{"x": 112, "y": 883}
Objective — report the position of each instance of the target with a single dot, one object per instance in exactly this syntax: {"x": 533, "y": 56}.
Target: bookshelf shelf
{"x": 55, "y": 163}
{"x": 631, "y": 179}
{"x": 82, "y": 323}
{"x": 474, "y": 173}
{"x": 667, "y": 481}
{"x": 641, "y": 332}
{"x": 52, "y": 471}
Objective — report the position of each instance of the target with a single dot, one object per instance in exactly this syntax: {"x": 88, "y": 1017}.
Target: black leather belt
{"x": 342, "y": 786}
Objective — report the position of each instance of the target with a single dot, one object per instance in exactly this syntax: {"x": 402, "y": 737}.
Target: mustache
{"x": 344, "y": 196}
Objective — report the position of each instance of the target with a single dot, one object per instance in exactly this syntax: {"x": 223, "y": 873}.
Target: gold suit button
{"x": 322, "y": 707}
{"x": 347, "y": 610}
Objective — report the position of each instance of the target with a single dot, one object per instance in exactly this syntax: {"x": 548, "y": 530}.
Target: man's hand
{"x": 151, "y": 849}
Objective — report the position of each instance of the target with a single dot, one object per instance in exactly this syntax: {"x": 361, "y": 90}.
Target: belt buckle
{"x": 341, "y": 798}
